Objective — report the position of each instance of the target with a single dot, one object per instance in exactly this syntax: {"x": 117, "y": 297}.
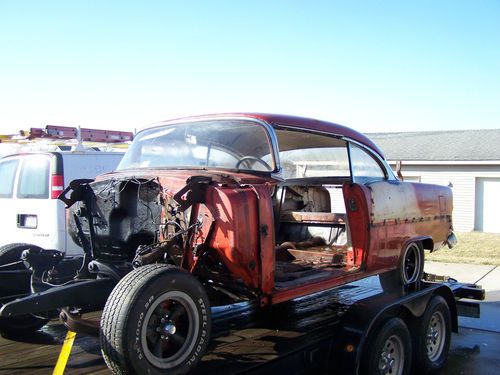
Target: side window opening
{"x": 364, "y": 167}
{"x": 8, "y": 170}
{"x": 312, "y": 234}
{"x": 34, "y": 178}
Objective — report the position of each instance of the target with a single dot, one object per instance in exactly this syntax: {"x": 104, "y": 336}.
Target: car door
{"x": 370, "y": 203}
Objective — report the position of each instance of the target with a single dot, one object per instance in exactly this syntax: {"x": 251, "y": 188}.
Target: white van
{"x": 30, "y": 183}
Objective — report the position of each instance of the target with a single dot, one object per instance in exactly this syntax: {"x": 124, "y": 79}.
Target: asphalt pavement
{"x": 475, "y": 349}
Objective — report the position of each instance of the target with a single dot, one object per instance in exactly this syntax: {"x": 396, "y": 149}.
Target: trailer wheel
{"x": 11, "y": 254}
{"x": 432, "y": 340}
{"x": 390, "y": 352}
{"x": 156, "y": 320}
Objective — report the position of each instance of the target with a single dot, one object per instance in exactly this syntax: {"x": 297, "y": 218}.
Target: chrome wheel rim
{"x": 392, "y": 357}
{"x": 435, "y": 336}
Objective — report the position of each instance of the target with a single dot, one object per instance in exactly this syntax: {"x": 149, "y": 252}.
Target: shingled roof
{"x": 455, "y": 145}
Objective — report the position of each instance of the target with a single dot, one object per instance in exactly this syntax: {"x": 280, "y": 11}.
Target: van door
{"x": 31, "y": 216}
{"x": 8, "y": 172}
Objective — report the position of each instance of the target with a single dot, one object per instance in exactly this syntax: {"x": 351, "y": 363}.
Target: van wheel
{"x": 11, "y": 254}
{"x": 432, "y": 339}
{"x": 390, "y": 352}
{"x": 156, "y": 320}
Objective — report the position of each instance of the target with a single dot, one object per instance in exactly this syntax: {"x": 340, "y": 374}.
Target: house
{"x": 468, "y": 161}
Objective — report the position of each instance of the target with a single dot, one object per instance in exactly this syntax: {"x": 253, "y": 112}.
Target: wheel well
{"x": 141, "y": 238}
{"x": 427, "y": 243}
{"x": 410, "y": 315}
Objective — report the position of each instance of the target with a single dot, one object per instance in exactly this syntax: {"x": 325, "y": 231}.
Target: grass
{"x": 472, "y": 248}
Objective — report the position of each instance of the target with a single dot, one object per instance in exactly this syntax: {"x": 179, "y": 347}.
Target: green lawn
{"x": 472, "y": 248}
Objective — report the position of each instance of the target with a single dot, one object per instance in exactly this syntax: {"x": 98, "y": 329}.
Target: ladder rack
{"x": 80, "y": 134}
{"x": 69, "y": 137}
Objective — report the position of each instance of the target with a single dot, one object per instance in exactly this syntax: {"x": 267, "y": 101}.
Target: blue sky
{"x": 371, "y": 65}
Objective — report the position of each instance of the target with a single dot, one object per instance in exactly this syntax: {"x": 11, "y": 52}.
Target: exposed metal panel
{"x": 463, "y": 179}
{"x": 487, "y": 205}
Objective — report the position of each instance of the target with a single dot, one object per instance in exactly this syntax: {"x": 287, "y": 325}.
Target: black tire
{"x": 410, "y": 268}
{"x": 390, "y": 351}
{"x": 433, "y": 337}
{"x": 22, "y": 324}
{"x": 156, "y": 320}
{"x": 411, "y": 264}
{"x": 11, "y": 253}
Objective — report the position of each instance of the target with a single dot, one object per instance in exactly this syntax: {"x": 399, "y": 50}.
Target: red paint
{"x": 382, "y": 217}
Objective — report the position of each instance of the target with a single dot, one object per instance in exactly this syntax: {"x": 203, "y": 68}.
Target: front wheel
{"x": 432, "y": 339}
{"x": 156, "y": 321}
{"x": 390, "y": 351}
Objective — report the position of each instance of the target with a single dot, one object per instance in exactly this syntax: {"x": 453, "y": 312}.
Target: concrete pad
{"x": 466, "y": 273}
{"x": 488, "y": 277}
{"x": 473, "y": 352}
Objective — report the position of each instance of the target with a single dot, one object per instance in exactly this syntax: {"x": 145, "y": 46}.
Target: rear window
{"x": 7, "y": 175}
{"x": 34, "y": 178}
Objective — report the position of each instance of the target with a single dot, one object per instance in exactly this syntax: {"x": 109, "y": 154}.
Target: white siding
{"x": 463, "y": 181}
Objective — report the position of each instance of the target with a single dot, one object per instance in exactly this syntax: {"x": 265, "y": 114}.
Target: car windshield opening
{"x": 227, "y": 143}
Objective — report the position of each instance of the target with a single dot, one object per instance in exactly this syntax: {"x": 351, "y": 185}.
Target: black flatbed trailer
{"x": 323, "y": 333}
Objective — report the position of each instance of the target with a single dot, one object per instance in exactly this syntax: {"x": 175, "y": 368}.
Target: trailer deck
{"x": 296, "y": 336}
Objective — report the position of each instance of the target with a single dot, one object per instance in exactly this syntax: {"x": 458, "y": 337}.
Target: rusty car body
{"x": 213, "y": 208}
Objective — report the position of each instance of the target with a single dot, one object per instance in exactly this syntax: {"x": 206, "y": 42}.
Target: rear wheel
{"x": 410, "y": 268}
{"x": 156, "y": 320}
{"x": 390, "y": 352}
{"x": 432, "y": 339}
{"x": 10, "y": 256}
{"x": 411, "y": 264}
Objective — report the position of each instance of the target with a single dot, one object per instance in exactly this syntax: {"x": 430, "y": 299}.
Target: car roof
{"x": 296, "y": 122}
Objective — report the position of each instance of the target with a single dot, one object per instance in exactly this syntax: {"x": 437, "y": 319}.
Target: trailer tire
{"x": 22, "y": 324}
{"x": 433, "y": 336}
{"x": 156, "y": 320}
{"x": 390, "y": 351}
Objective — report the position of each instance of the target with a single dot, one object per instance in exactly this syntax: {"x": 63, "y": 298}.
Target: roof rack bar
{"x": 68, "y": 132}
{"x": 98, "y": 135}
{"x": 92, "y": 135}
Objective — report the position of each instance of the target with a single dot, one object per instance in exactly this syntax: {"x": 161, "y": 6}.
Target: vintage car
{"x": 217, "y": 208}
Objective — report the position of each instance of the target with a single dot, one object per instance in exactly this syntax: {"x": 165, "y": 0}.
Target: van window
{"x": 7, "y": 175}
{"x": 34, "y": 179}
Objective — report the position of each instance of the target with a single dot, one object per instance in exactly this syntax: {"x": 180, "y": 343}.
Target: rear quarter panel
{"x": 402, "y": 211}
